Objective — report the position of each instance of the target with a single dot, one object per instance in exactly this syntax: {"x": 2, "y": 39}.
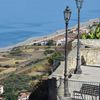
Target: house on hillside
{"x": 60, "y": 42}
{"x": 24, "y": 96}
{"x": 1, "y": 98}
{"x": 1, "y": 89}
{"x": 43, "y": 43}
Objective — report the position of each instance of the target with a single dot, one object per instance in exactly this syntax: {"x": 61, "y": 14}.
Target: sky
{"x": 42, "y": 10}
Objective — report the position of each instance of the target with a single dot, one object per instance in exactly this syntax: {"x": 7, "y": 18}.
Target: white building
{"x": 1, "y": 89}
{"x": 24, "y": 96}
{"x": 60, "y": 42}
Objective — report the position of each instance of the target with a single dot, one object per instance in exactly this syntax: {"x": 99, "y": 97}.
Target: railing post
{"x": 99, "y": 91}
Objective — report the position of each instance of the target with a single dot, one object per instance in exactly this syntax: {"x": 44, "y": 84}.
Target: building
{"x": 23, "y": 96}
{"x": 1, "y": 98}
{"x": 1, "y": 89}
{"x": 60, "y": 42}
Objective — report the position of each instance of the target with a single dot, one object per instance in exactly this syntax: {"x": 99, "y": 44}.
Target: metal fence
{"x": 80, "y": 90}
{"x": 84, "y": 90}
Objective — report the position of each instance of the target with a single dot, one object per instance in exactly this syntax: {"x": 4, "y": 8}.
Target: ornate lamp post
{"x": 67, "y": 15}
{"x": 78, "y": 69}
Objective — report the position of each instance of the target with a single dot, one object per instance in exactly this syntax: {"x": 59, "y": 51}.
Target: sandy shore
{"x": 32, "y": 40}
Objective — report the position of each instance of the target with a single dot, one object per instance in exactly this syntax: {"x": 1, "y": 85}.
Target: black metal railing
{"x": 82, "y": 90}
{"x": 52, "y": 89}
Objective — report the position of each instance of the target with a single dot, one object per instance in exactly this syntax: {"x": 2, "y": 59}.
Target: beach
{"x": 33, "y": 40}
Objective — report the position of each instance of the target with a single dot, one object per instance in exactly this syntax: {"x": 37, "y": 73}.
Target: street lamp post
{"x": 78, "y": 68}
{"x": 67, "y": 15}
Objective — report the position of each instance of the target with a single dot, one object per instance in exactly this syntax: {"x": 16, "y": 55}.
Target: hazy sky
{"x": 41, "y": 10}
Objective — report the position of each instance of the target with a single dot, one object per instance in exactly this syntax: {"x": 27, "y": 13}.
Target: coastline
{"x": 30, "y": 41}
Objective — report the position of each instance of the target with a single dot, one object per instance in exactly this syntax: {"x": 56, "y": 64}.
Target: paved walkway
{"x": 91, "y": 74}
{"x": 59, "y": 72}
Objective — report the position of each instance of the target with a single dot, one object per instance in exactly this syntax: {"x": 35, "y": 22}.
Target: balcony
{"x": 85, "y": 86}
{"x": 80, "y": 90}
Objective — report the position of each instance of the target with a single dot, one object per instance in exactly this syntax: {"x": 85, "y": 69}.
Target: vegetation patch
{"x": 93, "y": 34}
{"x": 2, "y": 69}
{"x": 3, "y": 59}
{"x": 14, "y": 84}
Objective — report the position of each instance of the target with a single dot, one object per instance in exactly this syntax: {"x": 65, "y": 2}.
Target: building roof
{"x": 1, "y": 86}
{"x": 24, "y": 94}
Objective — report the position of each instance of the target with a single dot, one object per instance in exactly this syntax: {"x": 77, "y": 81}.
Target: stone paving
{"x": 91, "y": 74}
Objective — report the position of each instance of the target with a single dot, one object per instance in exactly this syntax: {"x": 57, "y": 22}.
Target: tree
{"x": 50, "y": 43}
{"x": 55, "y": 56}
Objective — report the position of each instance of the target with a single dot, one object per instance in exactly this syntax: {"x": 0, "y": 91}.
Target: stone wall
{"x": 90, "y": 42}
{"x": 91, "y": 55}
{"x": 71, "y": 63}
{"x": 72, "y": 59}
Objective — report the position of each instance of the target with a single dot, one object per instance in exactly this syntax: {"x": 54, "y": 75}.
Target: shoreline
{"x": 30, "y": 41}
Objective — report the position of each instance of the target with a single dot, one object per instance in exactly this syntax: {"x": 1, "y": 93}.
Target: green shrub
{"x": 48, "y": 51}
{"x": 16, "y": 52}
{"x": 93, "y": 34}
{"x": 55, "y": 56}
{"x": 15, "y": 83}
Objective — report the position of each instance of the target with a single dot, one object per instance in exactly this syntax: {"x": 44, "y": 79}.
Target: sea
{"x": 24, "y": 19}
